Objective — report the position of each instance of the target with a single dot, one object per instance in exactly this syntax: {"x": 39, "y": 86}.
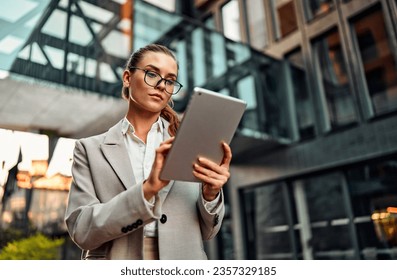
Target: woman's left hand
{"x": 212, "y": 175}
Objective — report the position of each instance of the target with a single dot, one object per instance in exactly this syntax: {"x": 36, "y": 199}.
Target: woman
{"x": 118, "y": 206}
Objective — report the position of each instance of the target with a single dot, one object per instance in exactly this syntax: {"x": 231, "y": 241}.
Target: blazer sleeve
{"x": 210, "y": 222}
{"x": 92, "y": 222}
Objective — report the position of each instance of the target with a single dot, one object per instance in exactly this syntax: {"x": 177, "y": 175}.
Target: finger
{"x": 162, "y": 152}
{"x": 209, "y": 164}
{"x": 169, "y": 140}
{"x": 219, "y": 175}
{"x": 213, "y": 183}
{"x": 166, "y": 145}
{"x": 210, "y": 177}
{"x": 227, "y": 154}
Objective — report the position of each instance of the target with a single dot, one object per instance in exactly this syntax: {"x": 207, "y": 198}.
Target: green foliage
{"x": 36, "y": 247}
{"x": 10, "y": 234}
{"x": 14, "y": 233}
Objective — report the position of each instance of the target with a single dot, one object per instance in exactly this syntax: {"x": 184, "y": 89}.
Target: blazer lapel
{"x": 116, "y": 153}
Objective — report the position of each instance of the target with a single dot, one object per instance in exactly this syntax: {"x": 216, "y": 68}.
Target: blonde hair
{"x": 167, "y": 113}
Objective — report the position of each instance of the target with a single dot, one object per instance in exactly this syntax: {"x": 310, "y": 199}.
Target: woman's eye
{"x": 170, "y": 82}
{"x": 151, "y": 74}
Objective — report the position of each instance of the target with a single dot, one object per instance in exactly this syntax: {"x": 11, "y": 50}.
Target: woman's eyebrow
{"x": 158, "y": 70}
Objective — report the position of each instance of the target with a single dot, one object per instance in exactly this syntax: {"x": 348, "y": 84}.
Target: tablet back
{"x": 209, "y": 119}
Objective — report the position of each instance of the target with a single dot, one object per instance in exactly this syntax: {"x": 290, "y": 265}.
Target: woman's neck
{"x": 142, "y": 123}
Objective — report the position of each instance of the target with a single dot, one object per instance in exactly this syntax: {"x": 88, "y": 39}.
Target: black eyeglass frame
{"x": 159, "y": 81}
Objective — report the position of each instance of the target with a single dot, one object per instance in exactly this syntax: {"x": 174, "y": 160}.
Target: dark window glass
{"x": 378, "y": 61}
{"x": 324, "y": 194}
{"x": 374, "y": 199}
{"x": 328, "y": 218}
{"x": 316, "y": 8}
{"x": 275, "y": 121}
{"x": 303, "y": 102}
{"x": 265, "y": 112}
{"x": 335, "y": 83}
{"x": 267, "y": 231}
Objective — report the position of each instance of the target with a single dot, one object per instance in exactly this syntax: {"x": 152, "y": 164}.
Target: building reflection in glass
{"x": 38, "y": 193}
{"x": 385, "y": 223}
{"x": 331, "y": 66}
{"x": 378, "y": 62}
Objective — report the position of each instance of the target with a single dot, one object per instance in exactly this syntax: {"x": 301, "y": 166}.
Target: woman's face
{"x": 144, "y": 97}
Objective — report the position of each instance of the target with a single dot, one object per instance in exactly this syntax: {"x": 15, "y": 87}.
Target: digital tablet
{"x": 209, "y": 119}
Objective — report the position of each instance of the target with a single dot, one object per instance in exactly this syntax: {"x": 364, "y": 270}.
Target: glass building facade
{"x": 315, "y": 155}
{"x": 330, "y": 192}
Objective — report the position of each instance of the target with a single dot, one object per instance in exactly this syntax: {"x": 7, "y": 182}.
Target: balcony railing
{"x": 84, "y": 44}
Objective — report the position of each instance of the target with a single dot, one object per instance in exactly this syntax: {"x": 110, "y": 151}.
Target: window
{"x": 210, "y": 22}
{"x": 168, "y": 5}
{"x": 329, "y": 225}
{"x": 316, "y": 8}
{"x": 18, "y": 20}
{"x": 378, "y": 61}
{"x": 218, "y": 54}
{"x": 246, "y": 91}
{"x": 330, "y": 62}
{"x": 303, "y": 102}
{"x": 268, "y": 223}
{"x": 180, "y": 52}
{"x": 199, "y": 65}
{"x": 231, "y": 20}
{"x": 256, "y": 23}
{"x": 286, "y": 18}
{"x": 374, "y": 199}
{"x": 341, "y": 215}
{"x": 275, "y": 115}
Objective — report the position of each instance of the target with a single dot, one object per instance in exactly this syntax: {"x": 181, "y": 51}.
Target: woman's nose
{"x": 159, "y": 83}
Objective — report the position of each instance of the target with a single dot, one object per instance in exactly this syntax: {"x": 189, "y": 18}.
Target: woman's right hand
{"x": 153, "y": 184}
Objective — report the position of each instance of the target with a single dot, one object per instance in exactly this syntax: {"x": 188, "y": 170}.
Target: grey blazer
{"x": 106, "y": 211}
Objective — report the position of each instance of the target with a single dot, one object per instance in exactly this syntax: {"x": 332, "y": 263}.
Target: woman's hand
{"x": 154, "y": 184}
{"x": 212, "y": 175}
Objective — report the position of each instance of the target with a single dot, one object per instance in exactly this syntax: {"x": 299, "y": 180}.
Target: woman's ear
{"x": 126, "y": 78}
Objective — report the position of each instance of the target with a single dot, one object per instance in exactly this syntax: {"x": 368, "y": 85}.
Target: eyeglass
{"x": 153, "y": 79}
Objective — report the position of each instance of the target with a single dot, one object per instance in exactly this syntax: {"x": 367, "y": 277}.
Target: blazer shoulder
{"x": 99, "y": 138}
{"x": 92, "y": 140}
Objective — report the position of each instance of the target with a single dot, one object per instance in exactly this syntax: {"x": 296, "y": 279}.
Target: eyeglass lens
{"x": 153, "y": 79}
